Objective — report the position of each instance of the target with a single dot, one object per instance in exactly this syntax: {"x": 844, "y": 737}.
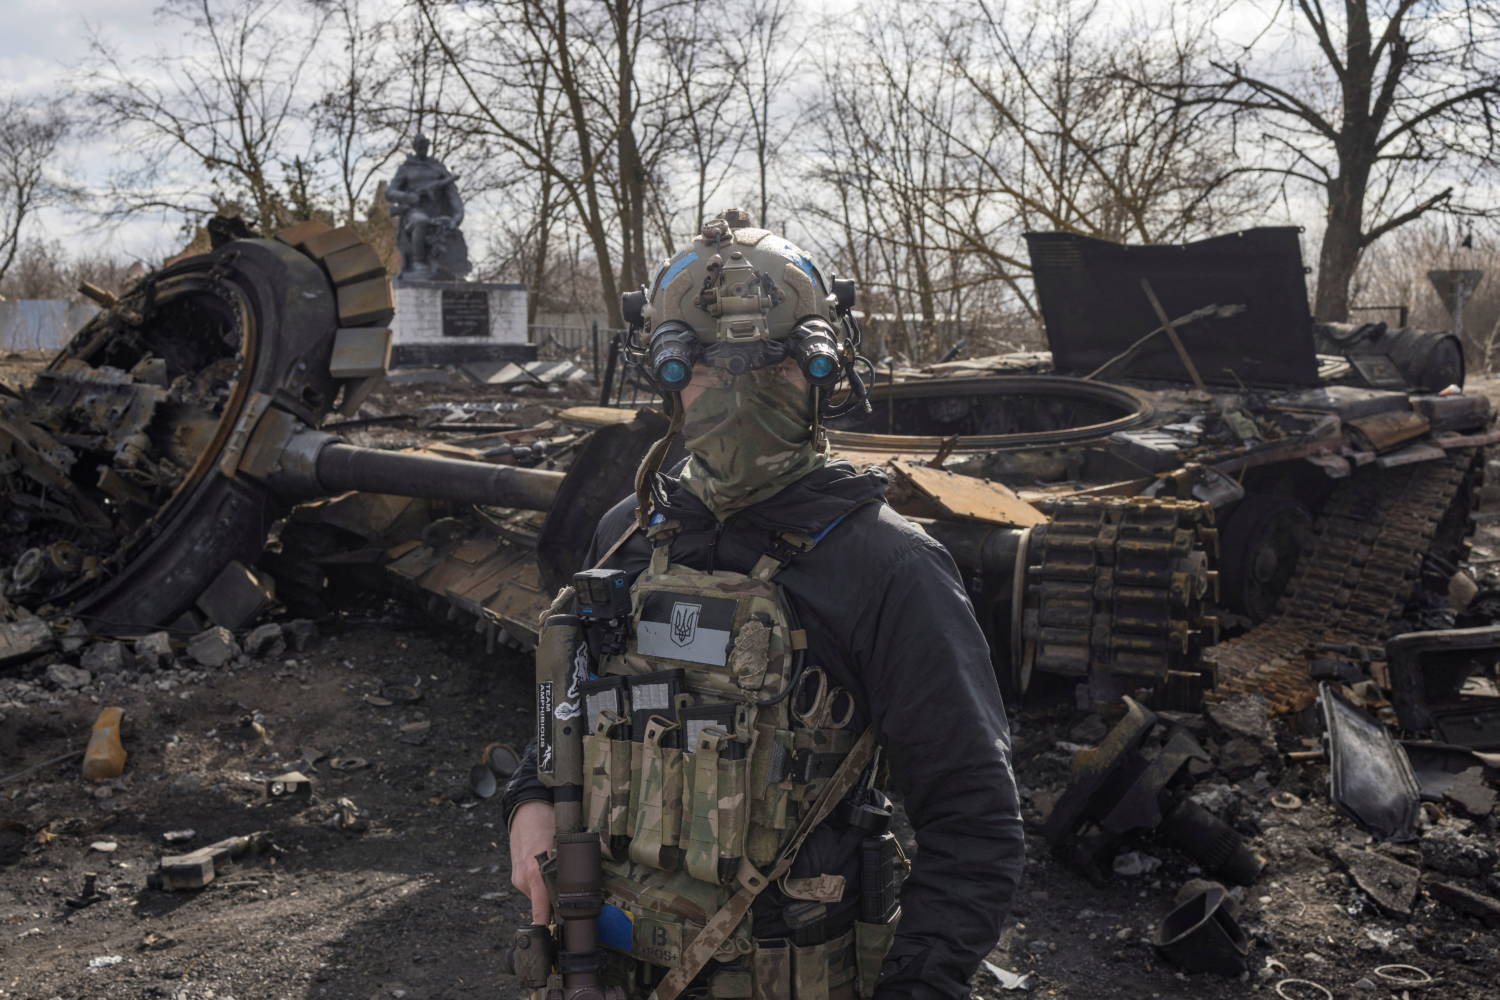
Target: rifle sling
{"x": 752, "y": 883}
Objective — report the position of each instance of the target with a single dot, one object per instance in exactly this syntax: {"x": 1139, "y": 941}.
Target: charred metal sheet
{"x": 1471, "y": 794}
{"x": 1201, "y": 934}
{"x": 1466, "y": 901}
{"x": 1347, "y": 401}
{"x": 1094, "y": 308}
{"x": 1412, "y": 454}
{"x": 922, "y": 491}
{"x": 1438, "y": 765}
{"x": 1431, "y": 686}
{"x": 1390, "y": 883}
{"x": 1368, "y": 773}
{"x": 1382, "y": 432}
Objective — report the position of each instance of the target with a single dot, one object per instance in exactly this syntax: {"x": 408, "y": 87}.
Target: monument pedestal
{"x": 454, "y": 322}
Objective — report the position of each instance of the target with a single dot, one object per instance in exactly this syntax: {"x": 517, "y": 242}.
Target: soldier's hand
{"x": 533, "y": 828}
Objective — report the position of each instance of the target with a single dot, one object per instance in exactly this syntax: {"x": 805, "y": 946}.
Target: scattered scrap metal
{"x": 1236, "y": 522}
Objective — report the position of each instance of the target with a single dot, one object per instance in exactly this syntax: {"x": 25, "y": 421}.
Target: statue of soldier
{"x": 424, "y": 199}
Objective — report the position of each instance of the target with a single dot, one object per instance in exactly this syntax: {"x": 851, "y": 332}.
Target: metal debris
{"x": 24, "y": 639}
{"x": 291, "y": 785}
{"x": 1369, "y": 775}
{"x": 1391, "y": 884}
{"x": 197, "y": 869}
{"x": 1201, "y": 933}
{"x": 1117, "y": 790}
{"x": 1471, "y": 793}
{"x": 1006, "y": 979}
{"x": 1403, "y": 975}
{"x": 1429, "y": 671}
{"x": 1466, "y": 901}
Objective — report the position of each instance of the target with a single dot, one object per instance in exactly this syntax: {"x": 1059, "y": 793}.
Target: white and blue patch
{"x": 676, "y": 268}
{"x": 786, "y": 248}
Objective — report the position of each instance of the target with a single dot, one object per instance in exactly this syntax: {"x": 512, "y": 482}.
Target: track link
{"x": 1118, "y": 585}
{"x": 1362, "y": 568}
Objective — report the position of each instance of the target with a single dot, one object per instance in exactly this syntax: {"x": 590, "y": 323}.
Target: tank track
{"x": 1118, "y": 585}
{"x": 1368, "y": 547}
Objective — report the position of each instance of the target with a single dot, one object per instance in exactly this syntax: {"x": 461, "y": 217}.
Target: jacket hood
{"x": 807, "y": 506}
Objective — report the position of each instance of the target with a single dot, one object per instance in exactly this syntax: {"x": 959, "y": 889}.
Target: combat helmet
{"x": 742, "y": 297}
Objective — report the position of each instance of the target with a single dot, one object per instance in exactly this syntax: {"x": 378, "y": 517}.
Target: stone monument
{"x": 441, "y": 316}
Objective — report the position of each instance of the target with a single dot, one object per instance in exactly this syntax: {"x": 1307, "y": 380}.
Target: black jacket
{"x": 887, "y": 616}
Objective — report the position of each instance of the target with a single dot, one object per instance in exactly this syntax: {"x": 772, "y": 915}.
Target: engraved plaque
{"x": 466, "y": 313}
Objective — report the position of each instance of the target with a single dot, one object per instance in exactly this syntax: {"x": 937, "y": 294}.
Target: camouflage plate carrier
{"x": 702, "y": 783}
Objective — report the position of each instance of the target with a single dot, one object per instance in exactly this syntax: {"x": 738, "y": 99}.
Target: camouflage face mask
{"x": 750, "y": 436}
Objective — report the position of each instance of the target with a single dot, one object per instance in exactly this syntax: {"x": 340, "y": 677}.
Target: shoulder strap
{"x": 752, "y": 883}
{"x": 609, "y": 553}
{"x": 787, "y": 545}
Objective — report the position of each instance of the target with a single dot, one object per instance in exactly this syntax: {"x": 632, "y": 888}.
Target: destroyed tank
{"x": 1195, "y": 458}
{"x": 141, "y": 471}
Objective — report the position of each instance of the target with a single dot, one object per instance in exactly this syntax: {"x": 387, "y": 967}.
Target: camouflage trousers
{"x": 774, "y": 971}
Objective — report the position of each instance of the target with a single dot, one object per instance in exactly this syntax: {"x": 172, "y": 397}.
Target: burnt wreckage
{"x": 1198, "y": 498}
{"x": 143, "y": 469}
{"x": 1195, "y": 460}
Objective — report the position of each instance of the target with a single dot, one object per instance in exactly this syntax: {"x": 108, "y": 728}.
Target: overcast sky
{"x": 40, "y": 49}
{"x": 44, "y": 42}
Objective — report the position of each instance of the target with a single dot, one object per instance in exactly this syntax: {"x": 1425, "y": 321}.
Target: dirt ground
{"x": 417, "y": 904}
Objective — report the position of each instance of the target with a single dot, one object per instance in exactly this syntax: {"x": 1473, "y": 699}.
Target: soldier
{"x": 428, "y": 212}
{"x": 792, "y": 643}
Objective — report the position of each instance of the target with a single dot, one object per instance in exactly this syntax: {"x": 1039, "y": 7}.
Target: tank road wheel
{"x": 1259, "y": 545}
{"x": 298, "y": 322}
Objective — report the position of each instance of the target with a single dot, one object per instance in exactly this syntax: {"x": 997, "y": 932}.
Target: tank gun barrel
{"x": 316, "y": 463}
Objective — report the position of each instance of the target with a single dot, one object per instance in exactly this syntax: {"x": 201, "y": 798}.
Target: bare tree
{"x": 359, "y": 119}
{"x": 1060, "y": 136}
{"x": 947, "y": 131}
{"x": 884, "y": 173}
{"x": 577, "y": 96}
{"x": 43, "y": 269}
{"x": 705, "y": 78}
{"x": 1387, "y": 112}
{"x": 30, "y": 134}
{"x": 768, "y": 55}
{"x": 232, "y": 106}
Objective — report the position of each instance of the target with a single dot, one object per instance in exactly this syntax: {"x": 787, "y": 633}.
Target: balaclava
{"x": 749, "y": 436}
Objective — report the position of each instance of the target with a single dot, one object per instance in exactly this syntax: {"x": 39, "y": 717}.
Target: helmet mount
{"x": 741, "y": 298}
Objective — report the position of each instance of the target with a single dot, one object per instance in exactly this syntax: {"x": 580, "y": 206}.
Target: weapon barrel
{"x": 343, "y": 467}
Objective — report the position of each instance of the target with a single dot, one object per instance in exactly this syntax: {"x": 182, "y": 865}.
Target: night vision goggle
{"x": 824, "y": 354}
{"x": 675, "y": 347}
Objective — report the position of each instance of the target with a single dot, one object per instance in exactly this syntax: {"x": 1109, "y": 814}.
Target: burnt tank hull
{"x": 1327, "y": 483}
{"x": 158, "y": 448}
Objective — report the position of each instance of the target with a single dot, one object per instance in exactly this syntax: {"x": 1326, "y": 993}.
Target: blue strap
{"x": 831, "y": 525}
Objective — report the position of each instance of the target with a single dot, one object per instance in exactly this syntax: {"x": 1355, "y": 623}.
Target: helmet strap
{"x": 820, "y": 436}
{"x": 650, "y": 465}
